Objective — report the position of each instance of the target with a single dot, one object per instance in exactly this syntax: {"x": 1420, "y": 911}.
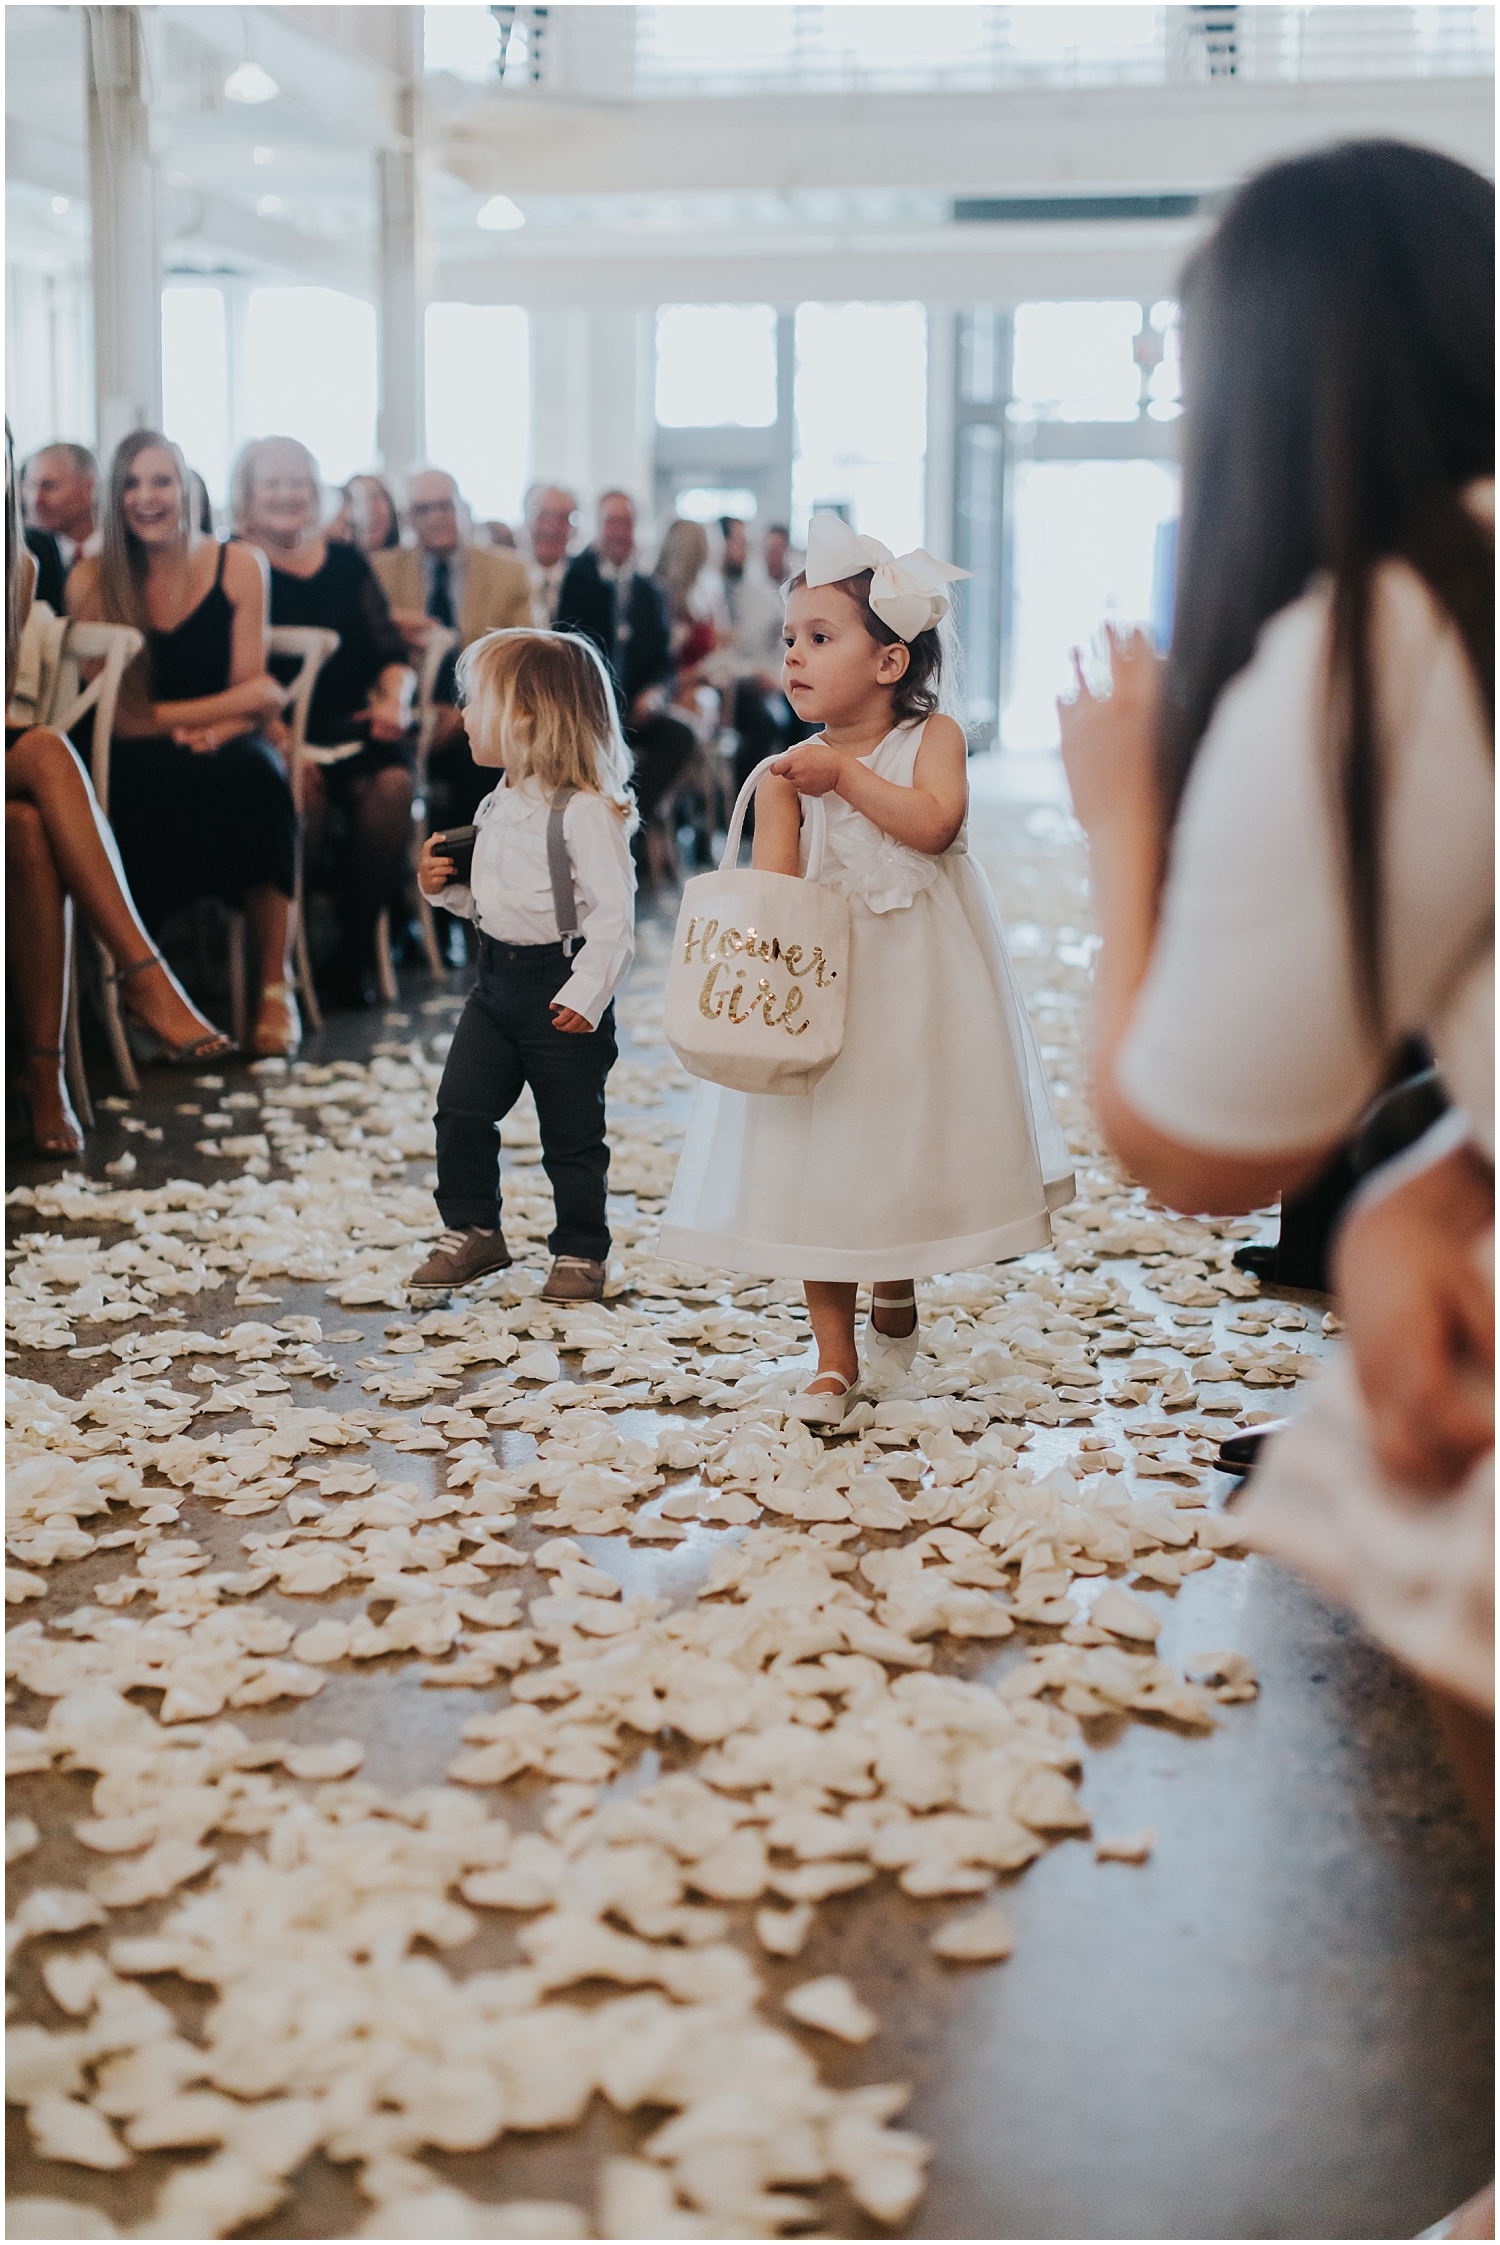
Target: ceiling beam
{"x": 977, "y": 264}
{"x": 1158, "y": 138}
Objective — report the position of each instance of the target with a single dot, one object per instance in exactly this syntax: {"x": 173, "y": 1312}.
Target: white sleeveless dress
{"x": 931, "y": 1143}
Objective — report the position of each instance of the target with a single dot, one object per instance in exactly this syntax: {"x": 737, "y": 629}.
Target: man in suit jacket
{"x": 444, "y": 580}
{"x": 550, "y": 509}
{"x": 61, "y": 485}
{"x": 607, "y": 599}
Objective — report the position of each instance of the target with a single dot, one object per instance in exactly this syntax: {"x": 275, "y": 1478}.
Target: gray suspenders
{"x": 561, "y": 873}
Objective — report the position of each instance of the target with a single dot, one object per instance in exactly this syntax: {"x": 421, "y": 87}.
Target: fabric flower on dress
{"x": 862, "y": 861}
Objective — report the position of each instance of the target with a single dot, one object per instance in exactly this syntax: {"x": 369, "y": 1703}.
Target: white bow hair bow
{"x": 905, "y": 591}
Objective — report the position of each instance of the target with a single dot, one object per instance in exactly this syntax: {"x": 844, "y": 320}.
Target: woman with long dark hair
{"x": 199, "y": 800}
{"x": 1291, "y": 844}
{"x": 59, "y": 851}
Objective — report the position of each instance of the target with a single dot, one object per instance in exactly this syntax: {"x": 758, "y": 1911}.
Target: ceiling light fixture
{"x": 250, "y": 84}
{"x": 267, "y": 204}
{"x": 263, "y": 155}
{"x": 59, "y": 204}
{"x": 500, "y": 216}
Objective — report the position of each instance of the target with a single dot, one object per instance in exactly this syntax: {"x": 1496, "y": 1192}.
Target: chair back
{"x": 308, "y": 647}
{"x": 439, "y": 644}
{"x": 114, "y": 648}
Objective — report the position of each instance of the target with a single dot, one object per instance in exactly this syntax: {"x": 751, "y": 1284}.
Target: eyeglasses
{"x": 433, "y": 506}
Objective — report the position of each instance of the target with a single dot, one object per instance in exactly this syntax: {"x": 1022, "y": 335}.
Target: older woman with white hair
{"x": 359, "y": 777}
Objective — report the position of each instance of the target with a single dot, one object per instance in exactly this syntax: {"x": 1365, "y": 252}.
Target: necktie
{"x": 440, "y": 600}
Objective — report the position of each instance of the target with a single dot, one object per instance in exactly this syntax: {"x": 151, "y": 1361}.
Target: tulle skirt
{"x": 930, "y": 1145}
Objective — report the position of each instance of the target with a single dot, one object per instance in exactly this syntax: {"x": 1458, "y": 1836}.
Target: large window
{"x": 715, "y": 366}
{"x": 1085, "y": 554}
{"x": 861, "y": 404}
{"x": 310, "y": 372}
{"x": 195, "y": 382}
{"x": 1076, "y": 362}
{"x": 479, "y": 403}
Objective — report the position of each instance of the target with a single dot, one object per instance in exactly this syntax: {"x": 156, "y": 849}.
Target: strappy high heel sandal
{"x": 823, "y": 1410}
{"x": 271, "y": 1039}
{"x": 211, "y": 1044}
{"x": 69, "y": 1138}
{"x": 890, "y": 1355}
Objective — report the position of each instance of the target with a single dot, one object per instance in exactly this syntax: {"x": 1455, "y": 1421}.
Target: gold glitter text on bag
{"x": 756, "y": 987}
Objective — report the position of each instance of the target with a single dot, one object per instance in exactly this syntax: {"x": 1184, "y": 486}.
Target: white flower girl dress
{"x": 931, "y": 1143}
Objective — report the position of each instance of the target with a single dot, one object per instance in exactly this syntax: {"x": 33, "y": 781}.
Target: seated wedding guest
{"x": 59, "y": 851}
{"x": 551, "y": 511}
{"x": 198, "y": 797}
{"x": 1291, "y": 845}
{"x": 358, "y": 778}
{"x": 62, "y": 484}
{"x": 607, "y": 598}
{"x": 747, "y": 666}
{"x": 339, "y": 528}
{"x": 374, "y": 524}
{"x": 443, "y": 579}
{"x": 697, "y": 620}
{"x": 781, "y": 558}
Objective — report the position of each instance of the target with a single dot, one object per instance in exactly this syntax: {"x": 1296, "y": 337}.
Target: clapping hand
{"x": 1109, "y": 740}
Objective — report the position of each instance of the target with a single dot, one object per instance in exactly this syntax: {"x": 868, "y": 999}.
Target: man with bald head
{"x": 551, "y": 510}
{"x": 61, "y": 484}
{"x": 470, "y": 589}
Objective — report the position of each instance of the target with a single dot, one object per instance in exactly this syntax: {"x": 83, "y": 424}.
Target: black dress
{"x": 218, "y": 823}
{"x": 345, "y": 596}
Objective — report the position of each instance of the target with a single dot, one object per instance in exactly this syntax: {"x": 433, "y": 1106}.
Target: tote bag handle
{"x": 816, "y": 814}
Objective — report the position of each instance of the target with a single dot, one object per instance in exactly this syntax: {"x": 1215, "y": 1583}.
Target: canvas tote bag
{"x": 760, "y": 967}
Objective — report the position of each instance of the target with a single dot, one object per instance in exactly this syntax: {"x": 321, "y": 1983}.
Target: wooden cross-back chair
{"x": 438, "y": 645}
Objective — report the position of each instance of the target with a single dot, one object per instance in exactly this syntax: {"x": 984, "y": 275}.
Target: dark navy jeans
{"x": 505, "y": 1039}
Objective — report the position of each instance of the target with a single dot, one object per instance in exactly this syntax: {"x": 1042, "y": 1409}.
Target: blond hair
{"x": 242, "y": 476}
{"x": 545, "y": 699}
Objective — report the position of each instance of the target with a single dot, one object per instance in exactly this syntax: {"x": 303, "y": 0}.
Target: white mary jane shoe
{"x": 890, "y": 1356}
{"x": 823, "y": 1410}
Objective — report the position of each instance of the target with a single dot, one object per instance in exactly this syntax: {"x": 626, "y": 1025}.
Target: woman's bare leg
{"x": 830, "y": 1307}
{"x": 44, "y": 772}
{"x": 270, "y": 916}
{"x": 38, "y": 928}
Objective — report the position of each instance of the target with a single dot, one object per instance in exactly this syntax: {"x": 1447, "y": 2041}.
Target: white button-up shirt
{"x": 509, "y": 892}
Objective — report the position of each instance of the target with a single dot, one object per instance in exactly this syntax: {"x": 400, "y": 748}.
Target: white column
{"x": 593, "y": 400}
{"x": 124, "y": 198}
{"x": 622, "y": 401}
{"x": 940, "y": 431}
{"x": 404, "y": 266}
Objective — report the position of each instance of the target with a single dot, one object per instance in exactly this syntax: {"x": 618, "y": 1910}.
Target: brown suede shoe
{"x": 573, "y": 1278}
{"x": 459, "y": 1258}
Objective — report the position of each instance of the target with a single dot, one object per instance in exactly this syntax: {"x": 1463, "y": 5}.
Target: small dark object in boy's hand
{"x": 457, "y": 845}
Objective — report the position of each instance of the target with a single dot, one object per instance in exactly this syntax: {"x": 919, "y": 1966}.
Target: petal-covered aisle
{"x": 487, "y": 1773}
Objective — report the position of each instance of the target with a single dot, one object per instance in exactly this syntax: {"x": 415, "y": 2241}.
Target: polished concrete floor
{"x": 1279, "y": 2027}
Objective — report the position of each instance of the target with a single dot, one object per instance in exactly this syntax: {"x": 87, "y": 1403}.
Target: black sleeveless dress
{"x": 188, "y": 824}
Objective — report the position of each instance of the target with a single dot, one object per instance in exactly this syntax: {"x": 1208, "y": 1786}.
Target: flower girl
{"x": 930, "y": 1145}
